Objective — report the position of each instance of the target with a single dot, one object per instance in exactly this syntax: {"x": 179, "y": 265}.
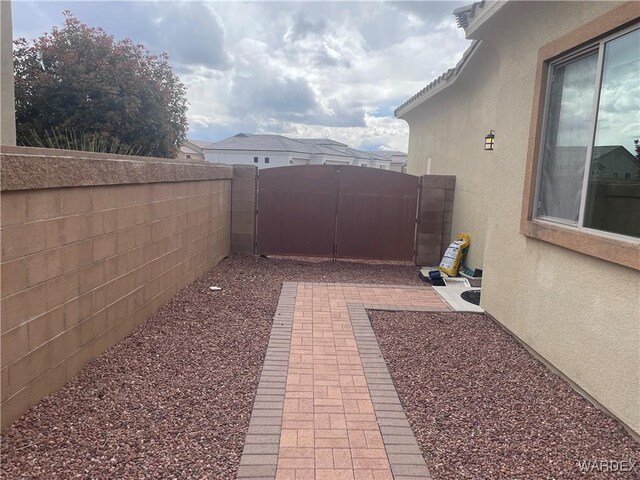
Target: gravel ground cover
{"x": 483, "y": 408}
{"x": 173, "y": 399}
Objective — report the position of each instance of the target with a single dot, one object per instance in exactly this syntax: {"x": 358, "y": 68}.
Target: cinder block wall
{"x": 435, "y": 213}
{"x": 243, "y": 209}
{"x": 81, "y": 266}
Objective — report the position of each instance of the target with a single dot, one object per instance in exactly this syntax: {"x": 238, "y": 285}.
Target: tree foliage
{"x": 77, "y": 78}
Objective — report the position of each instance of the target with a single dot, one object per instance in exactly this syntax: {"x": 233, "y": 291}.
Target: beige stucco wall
{"x": 450, "y": 128}
{"x": 192, "y": 156}
{"x": 90, "y": 248}
{"x": 7, "y": 103}
{"x": 580, "y": 313}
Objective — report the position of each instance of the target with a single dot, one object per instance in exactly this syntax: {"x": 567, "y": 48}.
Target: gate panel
{"x": 296, "y": 210}
{"x": 376, "y": 214}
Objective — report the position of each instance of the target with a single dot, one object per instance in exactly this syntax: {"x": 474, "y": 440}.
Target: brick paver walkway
{"x": 326, "y": 407}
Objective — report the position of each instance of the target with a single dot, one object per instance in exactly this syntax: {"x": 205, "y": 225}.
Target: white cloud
{"x": 328, "y": 69}
{"x": 377, "y": 132}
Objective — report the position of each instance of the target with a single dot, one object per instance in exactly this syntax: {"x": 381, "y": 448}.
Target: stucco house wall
{"x": 580, "y": 313}
{"x": 276, "y": 159}
{"x": 7, "y": 100}
{"x": 186, "y": 153}
{"x": 334, "y": 160}
{"x": 449, "y": 130}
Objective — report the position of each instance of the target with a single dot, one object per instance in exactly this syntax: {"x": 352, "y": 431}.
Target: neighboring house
{"x": 615, "y": 161}
{"x": 192, "y": 150}
{"x": 397, "y": 160}
{"x": 267, "y": 151}
{"x": 558, "y": 242}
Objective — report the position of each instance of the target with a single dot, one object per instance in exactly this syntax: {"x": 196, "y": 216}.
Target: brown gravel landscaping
{"x": 173, "y": 399}
{"x": 482, "y": 407}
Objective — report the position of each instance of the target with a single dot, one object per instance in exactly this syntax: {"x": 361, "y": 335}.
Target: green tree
{"x": 78, "y": 79}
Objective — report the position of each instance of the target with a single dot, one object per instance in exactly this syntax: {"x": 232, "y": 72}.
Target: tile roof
{"x": 270, "y": 143}
{"x": 463, "y": 14}
{"x": 200, "y": 143}
{"x": 320, "y": 141}
{"x": 280, "y": 143}
{"x": 446, "y": 78}
{"x": 394, "y": 156}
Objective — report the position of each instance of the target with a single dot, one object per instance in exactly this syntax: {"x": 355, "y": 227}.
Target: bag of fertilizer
{"x": 454, "y": 256}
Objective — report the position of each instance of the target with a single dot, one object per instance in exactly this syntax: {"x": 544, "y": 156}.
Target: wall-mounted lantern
{"x": 489, "y": 140}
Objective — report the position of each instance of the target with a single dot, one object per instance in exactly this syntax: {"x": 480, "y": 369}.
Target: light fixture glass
{"x": 489, "y": 140}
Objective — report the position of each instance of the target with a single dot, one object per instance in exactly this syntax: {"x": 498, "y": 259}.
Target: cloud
{"x": 434, "y": 11}
{"x": 328, "y": 69}
{"x": 303, "y": 26}
{"x": 271, "y": 96}
{"x": 375, "y": 133}
{"x": 194, "y": 34}
{"x": 191, "y": 32}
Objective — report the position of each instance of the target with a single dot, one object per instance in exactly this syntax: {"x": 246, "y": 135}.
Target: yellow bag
{"x": 454, "y": 255}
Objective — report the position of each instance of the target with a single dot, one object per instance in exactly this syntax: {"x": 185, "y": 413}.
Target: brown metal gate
{"x": 336, "y": 211}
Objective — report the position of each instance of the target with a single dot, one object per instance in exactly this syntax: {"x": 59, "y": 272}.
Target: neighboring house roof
{"x": 331, "y": 150}
{"x": 604, "y": 157}
{"x": 606, "y": 153}
{"x": 393, "y": 156}
{"x": 200, "y": 143}
{"x": 311, "y": 146}
{"x": 268, "y": 143}
{"x": 194, "y": 146}
{"x": 440, "y": 83}
{"x": 320, "y": 141}
{"x": 188, "y": 150}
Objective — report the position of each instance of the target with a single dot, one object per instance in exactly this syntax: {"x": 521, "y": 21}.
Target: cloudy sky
{"x": 302, "y": 69}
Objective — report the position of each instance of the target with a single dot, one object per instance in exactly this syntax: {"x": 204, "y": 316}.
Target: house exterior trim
{"x": 612, "y": 248}
{"x": 436, "y": 86}
{"x": 479, "y": 15}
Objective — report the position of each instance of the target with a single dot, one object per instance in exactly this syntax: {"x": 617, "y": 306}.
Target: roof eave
{"x": 482, "y": 15}
{"x": 420, "y": 99}
{"x": 400, "y": 112}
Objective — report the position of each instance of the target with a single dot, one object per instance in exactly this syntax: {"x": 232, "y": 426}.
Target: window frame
{"x": 612, "y": 247}
{"x": 598, "y": 47}
{"x": 266, "y": 160}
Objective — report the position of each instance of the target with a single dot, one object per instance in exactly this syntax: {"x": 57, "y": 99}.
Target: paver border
{"x": 259, "y": 458}
{"x": 403, "y": 451}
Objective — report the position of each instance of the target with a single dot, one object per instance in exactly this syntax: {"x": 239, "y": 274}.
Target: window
{"x": 590, "y": 134}
{"x": 188, "y": 156}
{"x": 255, "y": 159}
{"x": 266, "y": 159}
{"x": 383, "y": 167}
{"x": 363, "y": 164}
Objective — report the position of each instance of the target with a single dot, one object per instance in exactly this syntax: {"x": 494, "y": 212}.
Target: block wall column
{"x": 435, "y": 213}
{"x": 243, "y": 209}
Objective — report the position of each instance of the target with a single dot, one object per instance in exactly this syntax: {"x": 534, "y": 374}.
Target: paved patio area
{"x": 326, "y": 407}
